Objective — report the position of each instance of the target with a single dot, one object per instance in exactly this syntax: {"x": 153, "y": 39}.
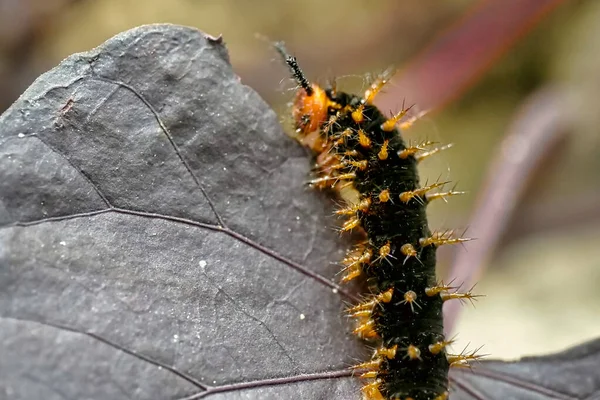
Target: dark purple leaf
{"x": 155, "y": 233}
{"x": 571, "y": 374}
{"x": 156, "y": 238}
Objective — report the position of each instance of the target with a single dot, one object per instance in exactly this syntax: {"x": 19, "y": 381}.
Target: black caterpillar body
{"x": 360, "y": 154}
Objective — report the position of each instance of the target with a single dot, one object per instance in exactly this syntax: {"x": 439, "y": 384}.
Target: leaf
{"x": 571, "y": 374}
{"x": 157, "y": 241}
{"x": 155, "y": 233}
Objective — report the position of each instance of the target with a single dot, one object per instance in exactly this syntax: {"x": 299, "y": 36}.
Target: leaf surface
{"x": 571, "y": 374}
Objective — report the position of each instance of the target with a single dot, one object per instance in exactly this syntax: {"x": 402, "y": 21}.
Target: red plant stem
{"x": 461, "y": 54}
{"x": 535, "y": 132}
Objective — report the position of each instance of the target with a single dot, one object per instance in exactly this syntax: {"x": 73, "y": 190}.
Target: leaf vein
{"x": 218, "y": 228}
{"x": 270, "y": 382}
{"x": 114, "y": 345}
{"x": 165, "y": 130}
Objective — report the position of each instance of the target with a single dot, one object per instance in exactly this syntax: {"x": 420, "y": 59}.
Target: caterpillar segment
{"x": 412, "y": 150}
{"x": 419, "y": 193}
{"x": 442, "y": 238}
{"x": 439, "y": 288}
{"x": 372, "y": 302}
{"x": 363, "y": 139}
{"x": 409, "y": 122}
{"x": 358, "y": 116}
{"x": 465, "y": 359}
{"x": 384, "y": 196}
{"x": 438, "y": 347}
{"x": 378, "y": 84}
{"x": 429, "y": 197}
{"x": 426, "y": 154}
{"x": 404, "y": 314}
{"x": 352, "y": 209}
{"x": 353, "y": 263}
{"x": 462, "y": 296}
{"x": 390, "y": 124}
{"x": 408, "y": 250}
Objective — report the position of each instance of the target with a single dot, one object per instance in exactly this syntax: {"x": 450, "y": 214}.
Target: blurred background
{"x": 514, "y": 84}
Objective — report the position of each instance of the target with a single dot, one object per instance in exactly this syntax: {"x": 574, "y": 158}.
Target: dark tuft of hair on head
{"x": 294, "y": 67}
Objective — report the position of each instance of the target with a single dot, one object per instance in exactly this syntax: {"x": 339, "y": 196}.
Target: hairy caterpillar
{"x": 360, "y": 154}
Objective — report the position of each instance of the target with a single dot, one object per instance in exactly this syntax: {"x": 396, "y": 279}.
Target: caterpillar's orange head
{"x": 310, "y": 109}
{"x": 311, "y": 104}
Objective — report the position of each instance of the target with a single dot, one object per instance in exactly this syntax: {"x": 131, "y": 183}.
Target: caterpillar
{"x": 361, "y": 157}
